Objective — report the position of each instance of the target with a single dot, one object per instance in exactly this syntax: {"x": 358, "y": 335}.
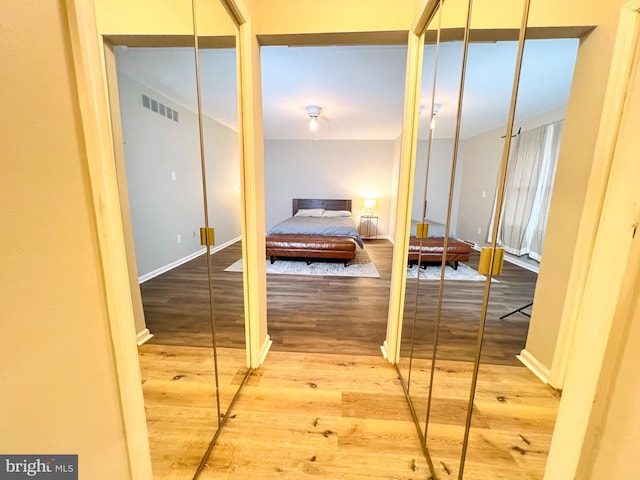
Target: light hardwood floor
{"x": 325, "y": 403}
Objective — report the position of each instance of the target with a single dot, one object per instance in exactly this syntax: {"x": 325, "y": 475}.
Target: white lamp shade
{"x": 370, "y": 203}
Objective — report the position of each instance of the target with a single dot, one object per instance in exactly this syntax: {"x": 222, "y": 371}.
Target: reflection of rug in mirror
{"x": 361, "y": 266}
{"x": 432, "y": 272}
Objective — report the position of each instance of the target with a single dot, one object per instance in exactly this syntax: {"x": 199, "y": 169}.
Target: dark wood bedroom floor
{"x": 341, "y": 315}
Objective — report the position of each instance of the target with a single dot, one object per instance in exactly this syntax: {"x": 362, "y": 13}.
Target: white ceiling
{"x": 361, "y": 89}
{"x": 171, "y": 71}
{"x": 545, "y": 82}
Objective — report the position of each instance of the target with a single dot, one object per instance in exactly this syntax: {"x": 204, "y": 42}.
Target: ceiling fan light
{"x": 313, "y": 124}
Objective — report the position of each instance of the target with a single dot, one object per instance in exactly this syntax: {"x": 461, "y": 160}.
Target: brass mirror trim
{"x": 416, "y": 422}
{"x": 492, "y": 257}
{"x": 207, "y": 229}
{"x": 499, "y": 202}
{"x": 207, "y": 237}
{"x": 223, "y": 421}
{"x": 422, "y": 229}
{"x": 427, "y": 10}
{"x": 454, "y": 164}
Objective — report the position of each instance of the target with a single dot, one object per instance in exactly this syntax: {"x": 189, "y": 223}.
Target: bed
{"x": 318, "y": 229}
{"x": 429, "y": 250}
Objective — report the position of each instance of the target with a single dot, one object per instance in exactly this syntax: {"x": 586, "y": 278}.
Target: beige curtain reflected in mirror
{"x": 529, "y": 183}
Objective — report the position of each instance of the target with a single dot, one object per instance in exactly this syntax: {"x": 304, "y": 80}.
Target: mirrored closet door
{"x": 518, "y": 225}
{"x": 175, "y": 115}
{"x": 219, "y": 117}
{"x": 437, "y": 112}
{"x": 448, "y": 362}
{"x": 485, "y": 93}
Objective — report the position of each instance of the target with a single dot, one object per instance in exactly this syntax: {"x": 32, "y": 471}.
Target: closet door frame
{"x": 89, "y": 62}
{"x": 580, "y": 352}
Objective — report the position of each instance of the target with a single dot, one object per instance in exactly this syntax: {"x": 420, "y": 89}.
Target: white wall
{"x": 439, "y": 181}
{"x": 222, "y": 153}
{"x": 162, "y": 208}
{"x": 482, "y": 156}
{"x": 355, "y": 169}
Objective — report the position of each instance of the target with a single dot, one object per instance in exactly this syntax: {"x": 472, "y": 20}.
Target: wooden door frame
{"x": 87, "y": 47}
{"x": 587, "y": 333}
{"x": 91, "y": 75}
{"x": 615, "y": 96}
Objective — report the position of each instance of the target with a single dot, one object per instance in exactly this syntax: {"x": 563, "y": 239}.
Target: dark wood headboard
{"x": 327, "y": 204}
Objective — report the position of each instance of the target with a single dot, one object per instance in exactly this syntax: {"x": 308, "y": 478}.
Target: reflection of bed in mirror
{"x": 430, "y": 249}
{"x": 318, "y": 229}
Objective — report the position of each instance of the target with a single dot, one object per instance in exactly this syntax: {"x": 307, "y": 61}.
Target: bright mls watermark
{"x": 50, "y": 467}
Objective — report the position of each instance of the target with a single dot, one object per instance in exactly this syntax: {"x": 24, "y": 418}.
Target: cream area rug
{"x": 361, "y": 266}
{"x": 464, "y": 272}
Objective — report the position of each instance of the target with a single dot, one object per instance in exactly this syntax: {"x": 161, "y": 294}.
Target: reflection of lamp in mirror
{"x": 313, "y": 111}
{"x": 370, "y": 206}
{"x": 436, "y": 109}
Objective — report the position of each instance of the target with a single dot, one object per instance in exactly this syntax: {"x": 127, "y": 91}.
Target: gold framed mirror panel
{"x": 524, "y": 184}
{"x": 458, "y": 314}
{"x": 220, "y": 126}
{"x": 189, "y": 384}
{"x": 464, "y": 306}
{"x": 215, "y": 33}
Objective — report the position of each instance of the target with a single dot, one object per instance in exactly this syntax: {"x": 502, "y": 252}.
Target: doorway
{"x": 175, "y": 121}
{"x": 353, "y": 97}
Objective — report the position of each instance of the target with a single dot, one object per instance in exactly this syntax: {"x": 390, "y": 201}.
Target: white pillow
{"x": 309, "y": 212}
{"x": 336, "y": 213}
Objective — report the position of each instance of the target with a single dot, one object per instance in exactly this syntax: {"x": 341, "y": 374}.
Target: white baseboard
{"x": 533, "y": 364}
{"x": 520, "y": 263}
{"x": 384, "y": 348}
{"x": 224, "y": 245}
{"x": 143, "y": 336}
{"x": 379, "y": 237}
{"x": 170, "y": 266}
{"x": 264, "y": 350}
{"x": 183, "y": 260}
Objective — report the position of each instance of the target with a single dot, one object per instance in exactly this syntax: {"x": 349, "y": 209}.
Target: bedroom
{"x": 364, "y": 151}
{"x": 304, "y": 151}
{"x": 93, "y": 401}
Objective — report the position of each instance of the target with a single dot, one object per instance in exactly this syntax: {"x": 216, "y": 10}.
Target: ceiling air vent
{"x": 160, "y": 108}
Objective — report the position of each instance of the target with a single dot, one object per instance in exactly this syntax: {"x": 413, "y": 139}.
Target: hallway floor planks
{"x": 310, "y": 413}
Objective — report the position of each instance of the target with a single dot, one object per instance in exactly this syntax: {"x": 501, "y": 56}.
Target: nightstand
{"x": 368, "y": 226}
